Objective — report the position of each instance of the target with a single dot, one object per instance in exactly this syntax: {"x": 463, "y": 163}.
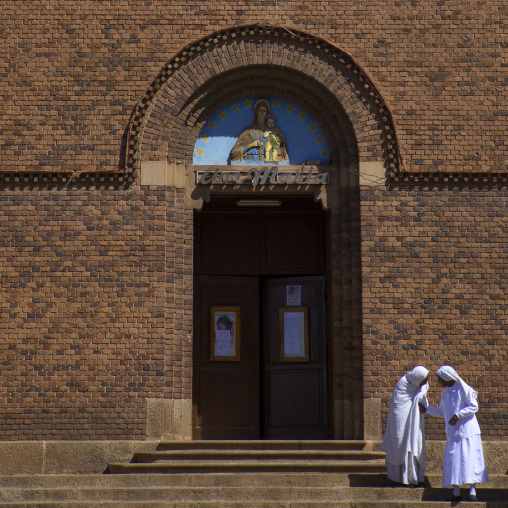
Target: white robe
{"x": 463, "y": 459}
{"x": 404, "y": 439}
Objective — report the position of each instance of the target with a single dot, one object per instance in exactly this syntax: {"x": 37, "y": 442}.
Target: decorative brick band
{"x": 46, "y": 179}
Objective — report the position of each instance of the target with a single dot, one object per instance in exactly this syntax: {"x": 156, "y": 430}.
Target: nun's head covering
{"x": 417, "y": 376}
{"x": 448, "y": 374}
{"x": 405, "y": 427}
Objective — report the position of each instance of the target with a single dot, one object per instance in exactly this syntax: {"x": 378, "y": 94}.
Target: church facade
{"x": 225, "y": 223}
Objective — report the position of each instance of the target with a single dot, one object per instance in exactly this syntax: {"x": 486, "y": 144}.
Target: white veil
{"x": 404, "y": 427}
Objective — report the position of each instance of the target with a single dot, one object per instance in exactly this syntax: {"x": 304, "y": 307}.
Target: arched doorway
{"x": 327, "y": 85}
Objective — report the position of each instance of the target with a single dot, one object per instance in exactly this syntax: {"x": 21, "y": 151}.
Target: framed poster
{"x": 294, "y": 334}
{"x": 225, "y": 334}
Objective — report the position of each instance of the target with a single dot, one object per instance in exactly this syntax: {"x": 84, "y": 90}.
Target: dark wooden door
{"x": 294, "y": 385}
{"x": 227, "y": 390}
{"x": 256, "y": 395}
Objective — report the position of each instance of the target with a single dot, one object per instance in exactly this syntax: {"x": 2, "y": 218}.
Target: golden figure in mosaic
{"x": 275, "y": 146}
{"x": 262, "y": 141}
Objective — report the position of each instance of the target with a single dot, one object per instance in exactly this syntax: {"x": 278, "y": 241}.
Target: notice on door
{"x": 294, "y": 337}
{"x": 293, "y": 334}
{"x": 223, "y": 343}
{"x": 225, "y": 334}
{"x": 293, "y": 295}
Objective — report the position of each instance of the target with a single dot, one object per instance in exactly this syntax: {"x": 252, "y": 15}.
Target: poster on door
{"x": 294, "y": 334}
{"x": 225, "y": 334}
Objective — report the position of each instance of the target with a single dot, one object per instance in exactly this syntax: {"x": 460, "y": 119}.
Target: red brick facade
{"x": 435, "y": 260}
{"x": 96, "y": 270}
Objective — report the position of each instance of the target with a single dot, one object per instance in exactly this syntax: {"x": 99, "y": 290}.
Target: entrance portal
{"x": 260, "y": 351}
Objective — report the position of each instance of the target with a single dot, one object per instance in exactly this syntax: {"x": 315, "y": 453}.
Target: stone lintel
{"x": 160, "y": 173}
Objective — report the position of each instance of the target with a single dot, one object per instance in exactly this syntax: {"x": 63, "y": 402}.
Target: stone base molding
{"x": 66, "y": 457}
{"x": 169, "y": 419}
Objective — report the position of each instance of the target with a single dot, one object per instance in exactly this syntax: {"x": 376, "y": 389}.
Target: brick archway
{"x": 323, "y": 81}
{"x": 236, "y": 63}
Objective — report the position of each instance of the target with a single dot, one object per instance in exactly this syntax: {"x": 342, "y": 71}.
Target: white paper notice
{"x": 294, "y": 343}
{"x": 223, "y": 343}
{"x": 293, "y": 296}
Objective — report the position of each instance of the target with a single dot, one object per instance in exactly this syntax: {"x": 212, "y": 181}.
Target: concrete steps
{"x": 241, "y": 474}
{"x": 259, "y": 456}
{"x": 370, "y": 490}
{"x": 240, "y": 490}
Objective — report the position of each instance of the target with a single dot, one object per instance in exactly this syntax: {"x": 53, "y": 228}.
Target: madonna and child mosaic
{"x": 261, "y": 130}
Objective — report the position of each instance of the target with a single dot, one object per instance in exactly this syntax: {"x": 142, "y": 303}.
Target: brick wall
{"x": 73, "y": 73}
{"x": 82, "y": 311}
{"x": 435, "y": 280}
{"x": 95, "y": 298}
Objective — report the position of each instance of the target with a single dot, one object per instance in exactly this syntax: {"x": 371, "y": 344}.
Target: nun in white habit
{"x": 463, "y": 457}
{"x": 404, "y": 439}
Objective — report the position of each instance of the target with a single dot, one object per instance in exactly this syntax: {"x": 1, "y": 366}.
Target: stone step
{"x": 268, "y": 455}
{"x": 242, "y": 493}
{"x": 428, "y": 494}
{"x": 212, "y": 494}
{"x": 423, "y": 504}
{"x": 179, "y": 480}
{"x": 251, "y": 504}
{"x": 190, "y": 504}
{"x": 275, "y": 466}
{"x": 267, "y": 445}
{"x": 496, "y": 481}
{"x": 239, "y": 490}
{"x": 426, "y": 504}
{"x": 329, "y": 479}
{"x": 249, "y": 456}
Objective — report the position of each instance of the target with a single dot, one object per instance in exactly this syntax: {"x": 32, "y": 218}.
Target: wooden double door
{"x": 271, "y": 382}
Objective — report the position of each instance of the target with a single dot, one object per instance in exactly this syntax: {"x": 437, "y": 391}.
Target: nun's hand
{"x": 422, "y": 408}
{"x": 453, "y": 420}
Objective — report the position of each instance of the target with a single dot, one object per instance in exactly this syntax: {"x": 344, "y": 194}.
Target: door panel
{"x": 226, "y": 393}
{"x": 224, "y": 401}
{"x": 269, "y": 242}
{"x": 295, "y": 400}
{"x": 294, "y": 241}
{"x": 228, "y": 243}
